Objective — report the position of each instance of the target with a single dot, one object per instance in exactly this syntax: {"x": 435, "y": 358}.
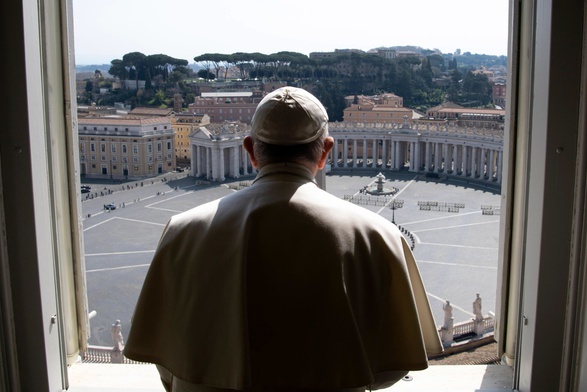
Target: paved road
{"x": 456, "y": 251}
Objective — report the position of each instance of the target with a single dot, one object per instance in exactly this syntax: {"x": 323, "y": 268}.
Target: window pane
{"x": 443, "y": 161}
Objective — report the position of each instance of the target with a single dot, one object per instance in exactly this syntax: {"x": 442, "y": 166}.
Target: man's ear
{"x": 248, "y": 144}
{"x": 328, "y": 144}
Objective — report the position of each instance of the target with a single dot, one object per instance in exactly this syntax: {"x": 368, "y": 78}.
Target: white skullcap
{"x": 289, "y": 116}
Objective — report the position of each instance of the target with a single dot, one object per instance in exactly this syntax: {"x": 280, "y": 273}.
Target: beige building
{"x": 227, "y": 106}
{"x": 469, "y": 117}
{"x": 183, "y": 125}
{"x": 126, "y": 147}
{"x": 150, "y": 112}
{"x": 218, "y": 152}
{"x": 385, "y": 108}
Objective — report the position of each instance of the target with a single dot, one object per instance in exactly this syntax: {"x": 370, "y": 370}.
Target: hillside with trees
{"x": 424, "y": 79}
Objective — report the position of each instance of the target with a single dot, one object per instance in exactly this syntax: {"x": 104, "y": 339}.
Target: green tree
{"x": 118, "y": 69}
{"x": 426, "y": 73}
{"x": 476, "y": 89}
{"x": 332, "y": 97}
{"x": 135, "y": 63}
{"x": 163, "y": 65}
{"x": 160, "y": 99}
{"x": 205, "y": 74}
{"x": 213, "y": 61}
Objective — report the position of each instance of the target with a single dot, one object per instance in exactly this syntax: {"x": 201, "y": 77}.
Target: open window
{"x": 543, "y": 286}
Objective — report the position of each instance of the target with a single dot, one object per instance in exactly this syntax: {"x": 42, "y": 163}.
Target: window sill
{"x": 117, "y": 378}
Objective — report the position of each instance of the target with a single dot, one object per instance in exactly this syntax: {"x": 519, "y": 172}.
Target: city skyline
{"x": 107, "y": 30}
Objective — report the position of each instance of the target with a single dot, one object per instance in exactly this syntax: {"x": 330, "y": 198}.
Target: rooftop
{"x": 130, "y": 121}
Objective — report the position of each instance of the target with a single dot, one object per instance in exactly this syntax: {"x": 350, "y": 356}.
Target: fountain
{"x": 379, "y": 189}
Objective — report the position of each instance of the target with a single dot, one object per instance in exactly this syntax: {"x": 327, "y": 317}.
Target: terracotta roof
{"x": 390, "y": 109}
{"x": 444, "y": 106}
{"x": 472, "y": 110}
{"x": 131, "y": 121}
{"x": 151, "y": 111}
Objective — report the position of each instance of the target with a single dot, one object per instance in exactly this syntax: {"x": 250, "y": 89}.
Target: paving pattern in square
{"x": 456, "y": 251}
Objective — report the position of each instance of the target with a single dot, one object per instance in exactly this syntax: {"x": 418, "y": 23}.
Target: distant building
{"x": 387, "y": 53}
{"x": 218, "y": 152}
{"x": 133, "y": 84}
{"x": 96, "y": 111}
{"x": 499, "y": 90}
{"x": 151, "y": 112}
{"x": 125, "y": 147}
{"x": 467, "y": 117}
{"x": 325, "y": 55}
{"x": 227, "y": 106}
{"x": 385, "y": 108}
{"x": 407, "y": 53}
{"x": 183, "y": 125}
{"x": 484, "y": 71}
{"x": 271, "y": 86}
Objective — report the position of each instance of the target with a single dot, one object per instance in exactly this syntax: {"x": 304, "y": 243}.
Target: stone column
{"x": 437, "y": 157}
{"x": 484, "y": 164}
{"x": 462, "y": 160}
{"x": 491, "y": 164}
{"x": 384, "y": 154}
{"x": 214, "y": 163}
{"x": 208, "y": 166}
{"x": 427, "y": 157}
{"x": 365, "y": 155}
{"x": 354, "y": 153}
{"x": 445, "y": 158}
{"x": 474, "y": 159}
{"x": 413, "y": 156}
{"x": 466, "y": 160}
{"x": 345, "y": 151}
{"x": 221, "y": 164}
{"x": 393, "y": 154}
{"x": 398, "y": 155}
{"x": 196, "y": 171}
{"x": 418, "y": 153}
{"x": 455, "y": 156}
{"x": 201, "y": 160}
{"x": 499, "y": 166}
{"x": 235, "y": 161}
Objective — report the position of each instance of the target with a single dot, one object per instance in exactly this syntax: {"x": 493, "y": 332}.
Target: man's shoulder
{"x": 207, "y": 211}
{"x": 203, "y": 212}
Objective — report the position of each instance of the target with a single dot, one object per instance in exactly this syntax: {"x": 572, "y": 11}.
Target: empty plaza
{"x": 455, "y": 242}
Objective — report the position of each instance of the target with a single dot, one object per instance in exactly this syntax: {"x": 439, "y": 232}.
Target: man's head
{"x": 289, "y": 125}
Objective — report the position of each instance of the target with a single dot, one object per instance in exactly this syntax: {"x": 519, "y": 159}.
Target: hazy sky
{"x": 108, "y": 29}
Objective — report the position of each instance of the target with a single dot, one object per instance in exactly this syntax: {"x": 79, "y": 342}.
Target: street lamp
{"x": 394, "y": 205}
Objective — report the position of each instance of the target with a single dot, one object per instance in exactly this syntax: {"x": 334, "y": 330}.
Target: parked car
{"x": 110, "y": 206}
{"x": 86, "y": 188}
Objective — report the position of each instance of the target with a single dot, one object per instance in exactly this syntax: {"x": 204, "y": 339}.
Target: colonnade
{"x": 217, "y": 160}
{"x": 460, "y": 152}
